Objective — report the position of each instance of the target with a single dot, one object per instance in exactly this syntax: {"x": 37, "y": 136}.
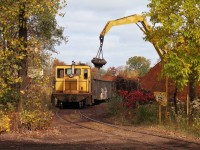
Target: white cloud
{"x": 85, "y": 19}
{"x": 108, "y": 6}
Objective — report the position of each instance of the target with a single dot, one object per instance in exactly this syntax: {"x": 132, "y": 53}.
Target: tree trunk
{"x": 175, "y": 100}
{"x": 192, "y": 88}
{"x": 22, "y": 52}
{"x": 192, "y": 95}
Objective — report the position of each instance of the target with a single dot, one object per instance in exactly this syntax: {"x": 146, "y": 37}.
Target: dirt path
{"x": 68, "y": 136}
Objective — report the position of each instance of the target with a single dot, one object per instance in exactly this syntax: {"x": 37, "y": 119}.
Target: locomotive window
{"x": 85, "y": 74}
{"x": 77, "y": 71}
{"x": 68, "y": 71}
{"x": 60, "y": 73}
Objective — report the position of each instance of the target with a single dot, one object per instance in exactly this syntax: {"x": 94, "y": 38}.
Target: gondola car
{"x": 102, "y": 90}
{"x": 74, "y": 84}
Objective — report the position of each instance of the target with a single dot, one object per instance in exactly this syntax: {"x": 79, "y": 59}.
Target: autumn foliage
{"x": 132, "y": 93}
{"x": 126, "y": 84}
{"x": 136, "y": 97}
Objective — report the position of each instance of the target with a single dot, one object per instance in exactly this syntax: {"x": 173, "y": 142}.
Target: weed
{"x": 146, "y": 114}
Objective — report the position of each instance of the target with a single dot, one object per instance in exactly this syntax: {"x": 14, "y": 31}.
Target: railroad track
{"x": 130, "y": 135}
{"x": 133, "y": 130}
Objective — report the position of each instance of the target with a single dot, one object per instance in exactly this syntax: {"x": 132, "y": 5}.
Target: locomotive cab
{"x": 73, "y": 84}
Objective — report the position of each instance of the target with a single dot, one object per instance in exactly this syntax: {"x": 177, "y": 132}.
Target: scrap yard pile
{"x": 153, "y": 81}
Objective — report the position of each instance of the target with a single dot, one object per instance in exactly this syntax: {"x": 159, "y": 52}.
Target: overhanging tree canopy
{"x": 177, "y": 24}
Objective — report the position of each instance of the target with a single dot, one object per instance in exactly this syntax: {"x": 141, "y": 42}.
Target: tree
{"x": 111, "y": 71}
{"x": 58, "y": 62}
{"x": 177, "y": 24}
{"x": 139, "y": 64}
{"x": 28, "y": 29}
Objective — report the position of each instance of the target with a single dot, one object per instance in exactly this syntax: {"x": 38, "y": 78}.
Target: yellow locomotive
{"x": 74, "y": 84}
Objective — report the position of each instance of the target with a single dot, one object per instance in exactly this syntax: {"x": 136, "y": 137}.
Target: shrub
{"x": 181, "y": 122}
{"x": 195, "y": 106}
{"x": 35, "y": 120}
{"x": 4, "y": 123}
{"x": 135, "y": 107}
{"x": 115, "y": 105}
{"x": 133, "y": 97}
{"x": 146, "y": 114}
{"x": 196, "y": 126}
{"x": 122, "y": 93}
{"x": 126, "y": 84}
{"x": 35, "y": 114}
{"x": 179, "y": 119}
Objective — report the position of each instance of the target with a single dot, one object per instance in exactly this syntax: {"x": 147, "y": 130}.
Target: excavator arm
{"x": 99, "y": 62}
{"x": 125, "y": 20}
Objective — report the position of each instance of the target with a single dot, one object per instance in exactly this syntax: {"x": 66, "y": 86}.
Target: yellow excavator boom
{"x": 122, "y": 21}
{"x": 125, "y": 20}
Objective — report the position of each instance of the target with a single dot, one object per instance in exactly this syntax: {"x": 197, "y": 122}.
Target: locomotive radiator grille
{"x": 71, "y": 86}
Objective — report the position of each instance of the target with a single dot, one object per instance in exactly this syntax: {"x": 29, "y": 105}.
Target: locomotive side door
{"x": 85, "y": 82}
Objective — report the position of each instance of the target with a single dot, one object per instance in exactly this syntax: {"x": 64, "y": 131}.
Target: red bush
{"x": 122, "y": 93}
{"x": 133, "y": 97}
{"x": 149, "y": 96}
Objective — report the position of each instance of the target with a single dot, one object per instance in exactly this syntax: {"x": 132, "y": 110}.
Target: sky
{"x": 85, "y": 19}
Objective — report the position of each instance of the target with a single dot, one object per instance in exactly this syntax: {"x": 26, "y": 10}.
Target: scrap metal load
{"x": 98, "y": 62}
